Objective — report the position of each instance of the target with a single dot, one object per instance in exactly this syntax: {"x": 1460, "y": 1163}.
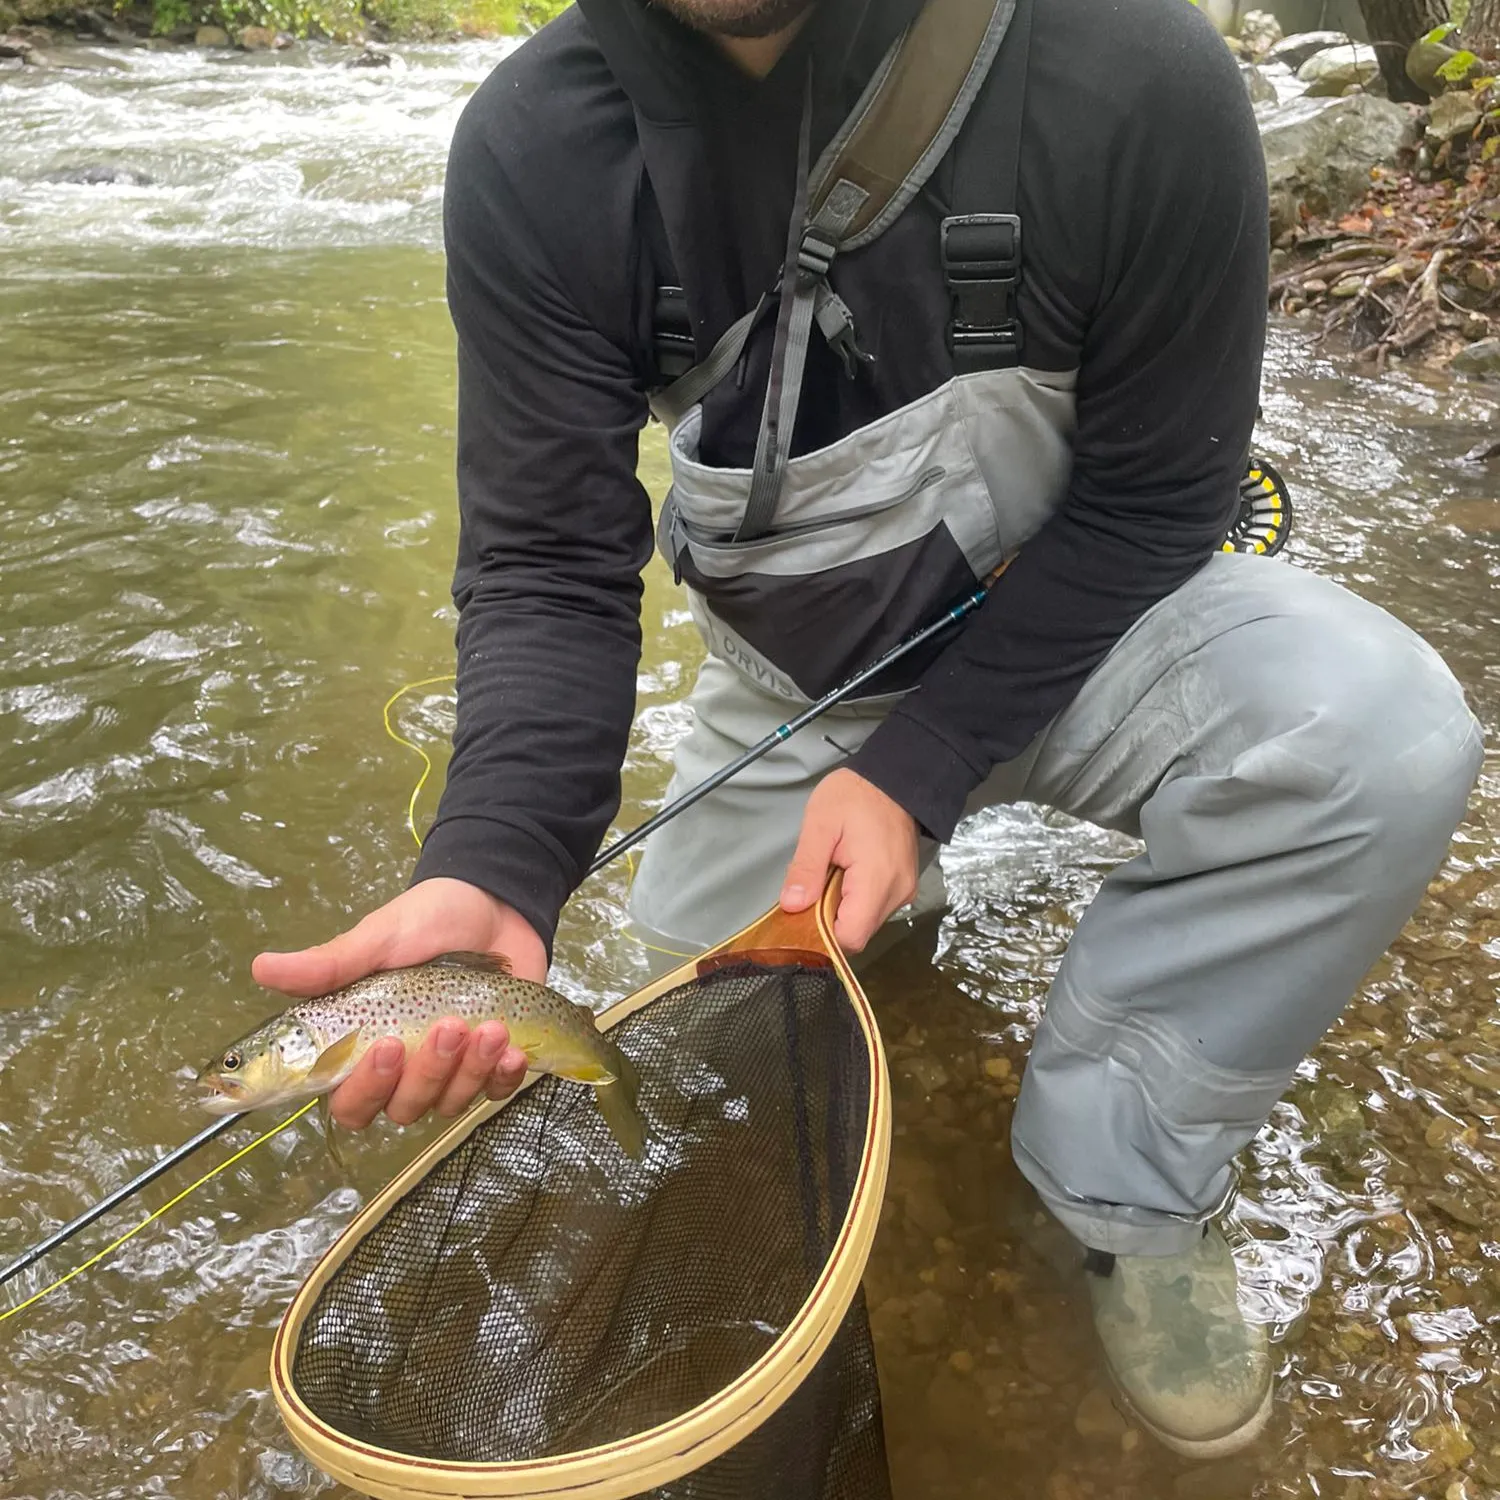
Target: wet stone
{"x": 1486, "y": 1468}
{"x": 926, "y": 1209}
{"x": 1482, "y": 1072}
{"x": 1005, "y": 1281}
{"x": 949, "y": 1278}
{"x": 1447, "y": 1444}
{"x": 1097, "y": 1420}
{"x": 1459, "y": 1209}
{"x": 1444, "y": 1132}
{"x": 1230, "y": 1479}
{"x": 1332, "y": 1107}
{"x": 926, "y": 1072}
{"x": 1064, "y": 1486}
{"x": 888, "y": 1321}
{"x": 928, "y": 1315}
{"x": 1044, "y": 1357}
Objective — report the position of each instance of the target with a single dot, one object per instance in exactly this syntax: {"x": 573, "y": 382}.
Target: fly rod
{"x": 780, "y": 735}
{"x": 946, "y": 621}
{"x": 161, "y": 1165}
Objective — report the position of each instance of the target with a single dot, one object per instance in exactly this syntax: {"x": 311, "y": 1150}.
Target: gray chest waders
{"x": 802, "y": 570}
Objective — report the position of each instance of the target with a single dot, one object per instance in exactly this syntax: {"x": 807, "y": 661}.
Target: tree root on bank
{"x": 1413, "y": 272}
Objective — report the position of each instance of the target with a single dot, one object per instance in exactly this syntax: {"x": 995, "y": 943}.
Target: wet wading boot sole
{"x": 1187, "y": 1366}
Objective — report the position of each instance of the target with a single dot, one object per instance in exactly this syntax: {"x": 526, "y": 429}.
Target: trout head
{"x": 269, "y": 1066}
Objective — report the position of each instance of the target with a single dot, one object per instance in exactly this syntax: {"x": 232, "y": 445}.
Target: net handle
{"x": 785, "y": 937}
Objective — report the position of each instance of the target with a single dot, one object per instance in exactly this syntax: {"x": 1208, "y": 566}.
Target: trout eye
{"x": 232, "y": 1060}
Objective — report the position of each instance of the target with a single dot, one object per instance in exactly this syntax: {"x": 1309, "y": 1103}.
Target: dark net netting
{"x": 538, "y": 1293}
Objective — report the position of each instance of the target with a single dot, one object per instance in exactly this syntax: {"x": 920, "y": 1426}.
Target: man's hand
{"x": 854, "y": 825}
{"x": 451, "y": 1067}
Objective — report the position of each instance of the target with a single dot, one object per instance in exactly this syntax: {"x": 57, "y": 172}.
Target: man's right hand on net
{"x": 452, "y": 1066}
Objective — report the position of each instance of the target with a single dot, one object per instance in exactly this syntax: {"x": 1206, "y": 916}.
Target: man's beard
{"x": 737, "y": 18}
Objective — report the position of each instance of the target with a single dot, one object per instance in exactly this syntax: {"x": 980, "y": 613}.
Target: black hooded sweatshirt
{"x": 617, "y": 151}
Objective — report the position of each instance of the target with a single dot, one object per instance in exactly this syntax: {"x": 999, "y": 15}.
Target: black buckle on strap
{"x": 672, "y": 333}
{"x": 981, "y": 256}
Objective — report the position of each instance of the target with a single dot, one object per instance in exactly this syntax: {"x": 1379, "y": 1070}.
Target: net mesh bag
{"x": 528, "y": 1311}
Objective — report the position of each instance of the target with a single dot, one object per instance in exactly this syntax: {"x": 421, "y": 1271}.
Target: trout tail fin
{"x": 617, "y": 1103}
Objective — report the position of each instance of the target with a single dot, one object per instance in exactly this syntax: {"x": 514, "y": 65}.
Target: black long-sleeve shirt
{"x": 1143, "y": 203}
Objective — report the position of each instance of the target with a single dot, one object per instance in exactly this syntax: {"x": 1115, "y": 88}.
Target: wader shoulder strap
{"x": 980, "y": 242}
{"x": 905, "y": 120}
{"x": 909, "y": 115}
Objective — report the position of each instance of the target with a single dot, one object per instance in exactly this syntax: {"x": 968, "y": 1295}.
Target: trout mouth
{"x": 220, "y": 1096}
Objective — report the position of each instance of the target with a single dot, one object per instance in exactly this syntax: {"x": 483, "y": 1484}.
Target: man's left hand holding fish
{"x": 453, "y": 1064}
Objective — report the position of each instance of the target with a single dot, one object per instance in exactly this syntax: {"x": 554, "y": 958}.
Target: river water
{"x": 225, "y": 472}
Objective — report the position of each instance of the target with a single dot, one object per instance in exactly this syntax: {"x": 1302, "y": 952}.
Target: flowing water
{"x": 225, "y": 477}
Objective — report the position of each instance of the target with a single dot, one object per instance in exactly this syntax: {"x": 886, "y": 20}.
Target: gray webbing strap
{"x": 671, "y": 405}
{"x": 784, "y": 388}
{"x": 788, "y": 351}
{"x": 810, "y": 252}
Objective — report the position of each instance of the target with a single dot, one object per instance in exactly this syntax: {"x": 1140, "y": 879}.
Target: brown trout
{"x": 312, "y": 1047}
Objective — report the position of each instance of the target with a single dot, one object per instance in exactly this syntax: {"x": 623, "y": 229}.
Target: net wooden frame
{"x": 666, "y": 1452}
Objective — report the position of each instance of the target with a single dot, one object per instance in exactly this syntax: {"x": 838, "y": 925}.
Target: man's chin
{"x": 744, "y": 19}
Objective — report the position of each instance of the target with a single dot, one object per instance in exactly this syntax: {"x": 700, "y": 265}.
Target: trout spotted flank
{"x": 312, "y": 1047}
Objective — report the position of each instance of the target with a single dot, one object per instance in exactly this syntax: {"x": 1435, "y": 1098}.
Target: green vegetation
{"x": 335, "y": 20}
{"x": 432, "y": 18}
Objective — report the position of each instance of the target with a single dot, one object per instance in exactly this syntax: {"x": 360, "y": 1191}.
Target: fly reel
{"x": 1264, "y": 520}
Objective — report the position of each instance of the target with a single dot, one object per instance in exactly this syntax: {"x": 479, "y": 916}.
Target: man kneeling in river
{"x": 1046, "y": 351}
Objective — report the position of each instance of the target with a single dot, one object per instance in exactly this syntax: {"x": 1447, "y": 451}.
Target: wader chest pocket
{"x": 870, "y": 538}
{"x": 725, "y": 540}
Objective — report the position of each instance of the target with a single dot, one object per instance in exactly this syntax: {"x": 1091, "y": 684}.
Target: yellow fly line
{"x": 427, "y": 769}
{"x": 151, "y": 1218}
{"x": 400, "y": 739}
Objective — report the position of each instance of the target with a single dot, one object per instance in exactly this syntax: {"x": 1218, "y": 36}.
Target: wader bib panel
{"x": 862, "y": 541}
{"x": 873, "y": 534}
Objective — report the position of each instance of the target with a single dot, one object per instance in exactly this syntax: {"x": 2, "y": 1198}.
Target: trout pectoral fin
{"x": 332, "y": 1060}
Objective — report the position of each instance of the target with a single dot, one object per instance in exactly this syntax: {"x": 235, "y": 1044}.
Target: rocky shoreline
{"x": 1385, "y": 217}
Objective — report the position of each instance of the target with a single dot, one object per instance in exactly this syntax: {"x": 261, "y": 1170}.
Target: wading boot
{"x": 1192, "y": 1371}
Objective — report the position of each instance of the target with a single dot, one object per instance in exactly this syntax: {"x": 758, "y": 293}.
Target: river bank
{"x": 1385, "y": 217}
